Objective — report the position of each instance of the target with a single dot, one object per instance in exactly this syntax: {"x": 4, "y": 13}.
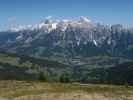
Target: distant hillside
{"x": 21, "y": 67}
{"x": 99, "y": 69}
{"x": 118, "y": 74}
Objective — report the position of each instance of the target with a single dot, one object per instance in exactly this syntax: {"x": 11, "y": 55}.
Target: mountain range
{"x": 77, "y": 49}
{"x": 69, "y": 39}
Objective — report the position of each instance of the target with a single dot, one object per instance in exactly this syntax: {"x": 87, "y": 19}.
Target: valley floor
{"x": 35, "y": 90}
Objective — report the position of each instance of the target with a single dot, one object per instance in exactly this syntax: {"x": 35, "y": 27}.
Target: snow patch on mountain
{"x": 50, "y": 24}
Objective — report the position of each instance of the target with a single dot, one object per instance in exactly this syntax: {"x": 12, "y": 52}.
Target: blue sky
{"x": 14, "y": 12}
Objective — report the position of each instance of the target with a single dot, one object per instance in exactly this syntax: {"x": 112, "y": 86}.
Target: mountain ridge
{"x": 70, "y": 39}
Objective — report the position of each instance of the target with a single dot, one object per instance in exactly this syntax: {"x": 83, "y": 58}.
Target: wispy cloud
{"x": 12, "y": 19}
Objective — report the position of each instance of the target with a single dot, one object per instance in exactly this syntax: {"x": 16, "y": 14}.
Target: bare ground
{"x": 74, "y": 96}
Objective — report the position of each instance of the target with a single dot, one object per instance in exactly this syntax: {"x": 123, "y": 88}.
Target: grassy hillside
{"x": 35, "y": 90}
{"x": 21, "y": 67}
{"x": 99, "y": 69}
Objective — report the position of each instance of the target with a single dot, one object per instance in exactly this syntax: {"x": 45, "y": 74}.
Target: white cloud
{"x": 48, "y": 17}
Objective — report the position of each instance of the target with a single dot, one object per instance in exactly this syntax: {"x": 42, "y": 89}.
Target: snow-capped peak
{"x": 84, "y": 19}
{"x": 50, "y": 24}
